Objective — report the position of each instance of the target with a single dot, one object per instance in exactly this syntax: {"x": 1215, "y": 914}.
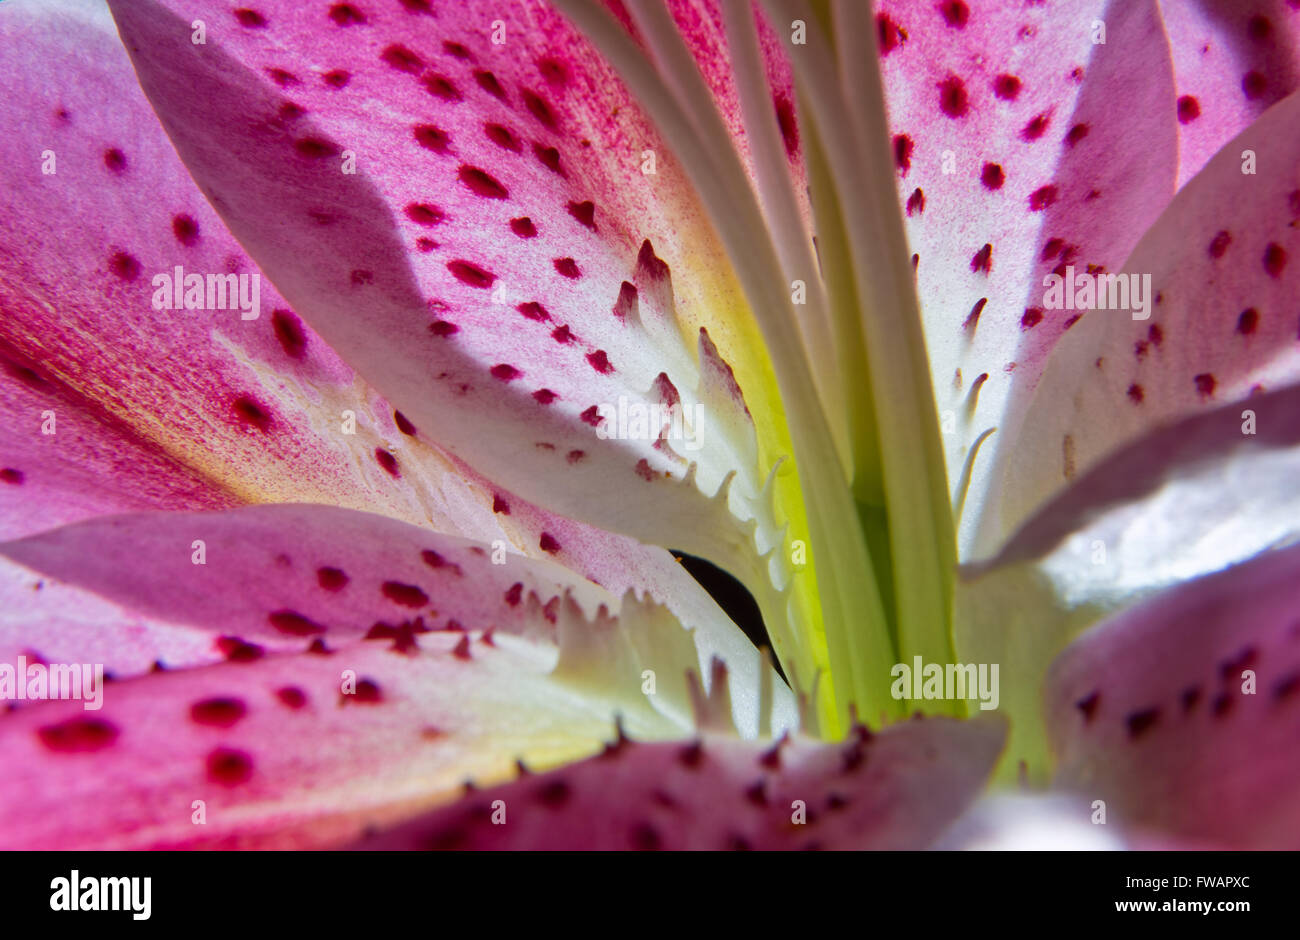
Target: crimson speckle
{"x": 455, "y": 49}
{"x": 916, "y": 202}
{"x": 548, "y": 544}
{"x": 1036, "y": 127}
{"x": 644, "y": 470}
{"x": 115, "y": 160}
{"x": 469, "y": 273}
{"x": 592, "y": 416}
{"x": 403, "y": 424}
{"x": 185, "y": 229}
{"x": 283, "y": 78}
{"x": 78, "y": 735}
{"x": 315, "y": 148}
{"x": 1136, "y": 394}
{"x": 402, "y": 58}
{"x": 1253, "y": 85}
{"x": 1248, "y": 321}
{"x": 502, "y": 137}
{"x": 1139, "y": 723}
{"x": 514, "y": 594}
{"x": 1155, "y": 334}
{"x": 600, "y": 362}
{"x": 331, "y": 579}
{"x": 238, "y": 651}
{"x": 534, "y": 311}
{"x": 251, "y": 413}
{"x": 1051, "y": 248}
{"x": 443, "y": 328}
{"x": 408, "y": 595}
{"x": 1076, "y": 134}
{"x": 499, "y": 505}
{"x": 336, "y": 78}
{"x": 1189, "y": 109}
{"x": 1031, "y": 318}
{"x": 488, "y": 82}
{"x": 441, "y": 87}
{"x": 992, "y": 176}
{"x": 291, "y": 696}
{"x": 218, "y": 712}
{"x": 432, "y": 138}
{"x": 523, "y": 227}
{"x": 421, "y": 213}
{"x": 645, "y": 838}
{"x": 11, "y": 476}
{"x": 293, "y": 623}
{"x": 1205, "y": 383}
{"x": 345, "y": 14}
{"x": 574, "y": 456}
{"x": 482, "y": 183}
{"x": 567, "y": 267}
{"x": 952, "y": 97}
{"x": 982, "y": 260}
{"x": 229, "y": 767}
{"x": 1088, "y": 705}
{"x": 903, "y": 153}
{"x": 505, "y": 372}
{"x": 1274, "y": 259}
{"x": 549, "y": 157}
{"x": 584, "y": 212}
{"x": 562, "y": 334}
{"x": 124, "y": 265}
{"x": 544, "y": 396}
{"x": 386, "y": 460}
{"x": 1219, "y": 244}
{"x": 288, "y": 330}
{"x": 250, "y": 18}
{"x": 1006, "y": 87}
{"x": 539, "y": 109}
{"x": 889, "y": 34}
{"x": 955, "y": 13}
{"x": 787, "y": 124}
{"x": 1042, "y": 197}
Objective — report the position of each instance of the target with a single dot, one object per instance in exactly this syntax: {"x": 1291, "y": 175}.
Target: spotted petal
{"x": 1182, "y": 713}
{"x": 896, "y": 789}
{"x": 317, "y": 669}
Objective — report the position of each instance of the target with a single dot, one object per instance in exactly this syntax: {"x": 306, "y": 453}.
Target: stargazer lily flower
{"x": 363, "y": 360}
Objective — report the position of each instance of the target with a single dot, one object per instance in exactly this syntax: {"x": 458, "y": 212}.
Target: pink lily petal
{"x": 89, "y": 464}
{"x": 1223, "y": 268}
{"x": 1190, "y": 498}
{"x": 899, "y": 788}
{"x": 1042, "y": 170}
{"x": 499, "y": 298}
{"x": 1182, "y": 713}
{"x": 1233, "y": 59}
{"x": 461, "y": 666}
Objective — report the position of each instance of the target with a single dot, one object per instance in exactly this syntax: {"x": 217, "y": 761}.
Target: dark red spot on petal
{"x": 1253, "y": 85}
{"x": 432, "y": 138}
{"x": 229, "y": 766}
{"x": 291, "y": 696}
{"x": 903, "y": 153}
{"x": 336, "y": 78}
{"x": 502, "y": 137}
{"x": 1032, "y": 317}
{"x": 315, "y": 148}
{"x": 562, "y": 334}
{"x": 78, "y": 735}
{"x": 345, "y": 14}
{"x": 544, "y": 396}
{"x": 408, "y": 595}
{"x": 402, "y": 58}
{"x": 1140, "y": 722}
{"x": 584, "y": 212}
{"x": 185, "y": 229}
{"x": 499, "y": 505}
{"x": 916, "y": 201}
{"x": 1088, "y": 705}
{"x": 1036, "y": 127}
{"x": 1076, "y": 134}
{"x": 482, "y": 183}
{"x": 250, "y": 412}
{"x": 592, "y": 416}
{"x": 567, "y": 267}
{"x": 115, "y": 160}
{"x": 1136, "y": 394}
{"x": 488, "y": 82}
{"x": 11, "y": 476}
{"x": 386, "y": 460}
{"x": 331, "y": 579}
{"x": 952, "y": 97}
{"x": 238, "y": 651}
{"x": 889, "y": 34}
{"x": 539, "y": 109}
{"x": 549, "y": 158}
{"x": 505, "y": 372}
{"x": 523, "y": 227}
{"x": 548, "y": 544}
{"x": 955, "y": 13}
{"x": 293, "y": 623}
{"x": 1006, "y": 87}
{"x": 992, "y": 176}
{"x": 441, "y": 87}
{"x": 600, "y": 362}
{"x": 124, "y": 265}
{"x": 422, "y": 213}
{"x": 1042, "y": 197}
{"x": 468, "y": 273}
{"x": 1205, "y": 383}
{"x": 443, "y": 328}
{"x": 1274, "y": 259}
{"x": 1219, "y": 244}
{"x": 1248, "y": 321}
{"x": 982, "y": 260}
{"x": 250, "y": 18}
{"x": 1189, "y": 109}
{"x": 218, "y": 712}
{"x": 288, "y": 330}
